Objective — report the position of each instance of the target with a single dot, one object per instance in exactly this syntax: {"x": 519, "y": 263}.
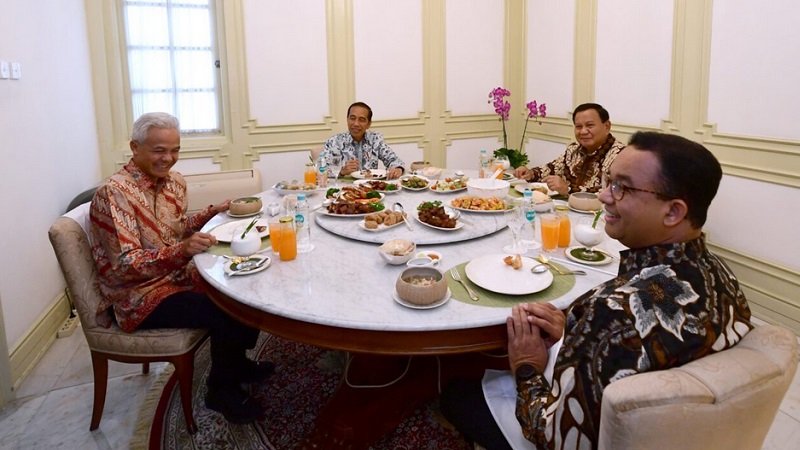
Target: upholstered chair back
{"x": 725, "y": 400}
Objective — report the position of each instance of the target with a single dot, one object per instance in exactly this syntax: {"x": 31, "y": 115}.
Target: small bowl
{"x": 419, "y": 165}
{"x": 488, "y": 187}
{"x": 584, "y": 201}
{"x": 421, "y": 295}
{"x": 543, "y": 207}
{"x": 436, "y": 256}
{"x": 397, "y": 251}
{"x": 245, "y": 205}
{"x": 422, "y": 261}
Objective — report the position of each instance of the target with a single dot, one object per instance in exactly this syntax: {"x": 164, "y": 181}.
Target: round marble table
{"x": 339, "y": 296}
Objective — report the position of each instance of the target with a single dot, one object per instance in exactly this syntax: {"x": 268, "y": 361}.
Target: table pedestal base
{"x": 356, "y": 417}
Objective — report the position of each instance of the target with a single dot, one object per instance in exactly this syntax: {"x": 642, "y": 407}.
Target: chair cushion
{"x": 724, "y": 400}
{"x": 156, "y": 342}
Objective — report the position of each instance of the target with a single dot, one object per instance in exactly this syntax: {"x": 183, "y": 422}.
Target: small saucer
{"x": 230, "y": 266}
{"x": 239, "y": 216}
{"x": 435, "y": 304}
{"x": 574, "y": 253}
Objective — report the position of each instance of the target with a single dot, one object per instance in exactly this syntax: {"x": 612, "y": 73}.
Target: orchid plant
{"x": 502, "y": 107}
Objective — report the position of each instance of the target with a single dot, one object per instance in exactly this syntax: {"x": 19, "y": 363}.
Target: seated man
{"x": 672, "y": 302}
{"x": 361, "y": 149}
{"x": 143, "y": 243}
{"x": 580, "y": 168}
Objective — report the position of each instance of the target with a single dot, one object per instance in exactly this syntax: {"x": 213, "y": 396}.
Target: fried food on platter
{"x": 479, "y": 203}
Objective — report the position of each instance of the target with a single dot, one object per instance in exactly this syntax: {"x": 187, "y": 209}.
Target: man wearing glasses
{"x": 672, "y": 302}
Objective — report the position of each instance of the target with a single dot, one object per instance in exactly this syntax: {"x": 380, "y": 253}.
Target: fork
{"x": 456, "y": 276}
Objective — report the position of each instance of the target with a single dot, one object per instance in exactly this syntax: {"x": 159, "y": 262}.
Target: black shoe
{"x": 233, "y": 403}
{"x": 255, "y": 372}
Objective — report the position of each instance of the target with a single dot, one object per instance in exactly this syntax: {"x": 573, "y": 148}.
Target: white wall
{"x": 48, "y": 145}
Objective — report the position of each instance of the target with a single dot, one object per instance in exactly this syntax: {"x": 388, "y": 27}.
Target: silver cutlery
{"x": 456, "y": 276}
{"x": 399, "y": 208}
{"x": 545, "y": 260}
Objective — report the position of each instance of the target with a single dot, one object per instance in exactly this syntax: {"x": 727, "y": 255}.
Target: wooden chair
{"x": 176, "y": 346}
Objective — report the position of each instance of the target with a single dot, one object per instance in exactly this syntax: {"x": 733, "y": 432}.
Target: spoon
{"x": 399, "y": 208}
{"x": 539, "y": 268}
{"x": 545, "y": 260}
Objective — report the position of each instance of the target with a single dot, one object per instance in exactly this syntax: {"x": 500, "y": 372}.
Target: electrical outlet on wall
{"x": 5, "y": 70}
{"x": 16, "y": 71}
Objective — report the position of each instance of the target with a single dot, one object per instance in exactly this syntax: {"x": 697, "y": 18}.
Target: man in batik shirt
{"x": 582, "y": 165}
{"x": 672, "y": 302}
{"x": 360, "y": 148}
{"x": 143, "y": 244}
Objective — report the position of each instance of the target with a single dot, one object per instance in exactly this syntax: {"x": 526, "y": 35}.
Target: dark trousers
{"x": 229, "y": 338}
{"x": 463, "y": 405}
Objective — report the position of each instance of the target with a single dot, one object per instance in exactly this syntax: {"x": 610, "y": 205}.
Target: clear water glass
{"x": 516, "y": 221}
{"x": 335, "y": 166}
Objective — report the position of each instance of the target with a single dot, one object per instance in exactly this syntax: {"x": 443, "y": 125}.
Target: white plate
{"x": 484, "y": 211}
{"x": 394, "y": 182}
{"x": 493, "y": 274}
{"x": 413, "y": 188}
{"x": 224, "y": 232}
{"x": 435, "y": 304}
{"x": 439, "y": 191}
{"x": 239, "y": 216}
{"x": 381, "y": 227}
{"x": 308, "y": 192}
{"x": 606, "y": 259}
{"x": 229, "y": 266}
{"x": 377, "y": 174}
{"x": 457, "y": 227}
{"x": 520, "y": 187}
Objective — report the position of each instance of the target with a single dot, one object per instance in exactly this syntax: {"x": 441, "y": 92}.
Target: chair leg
{"x": 184, "y": 369}
{"x": 146, "y": 368}
{"x": 100, "y": 369}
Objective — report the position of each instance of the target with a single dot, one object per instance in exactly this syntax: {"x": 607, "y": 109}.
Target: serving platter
{"x": 383, "y": 191}
{"x": 381, "y": 227}
{"x": 434, "y": 187}
{"x": 284, "y": 191}
{"x": 406, "y": 177}
{"x": 458, "y": 226}
{"x": 520, "y": 187}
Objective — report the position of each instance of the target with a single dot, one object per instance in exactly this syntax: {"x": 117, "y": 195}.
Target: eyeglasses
{"x": 618, "y": 189}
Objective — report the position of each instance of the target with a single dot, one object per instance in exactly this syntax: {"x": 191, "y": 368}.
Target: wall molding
{"x": 38, "y": 339}
{"x": 771, "y": 289}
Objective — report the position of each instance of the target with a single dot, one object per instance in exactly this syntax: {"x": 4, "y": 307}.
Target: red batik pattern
{"x": 136, "y": 229}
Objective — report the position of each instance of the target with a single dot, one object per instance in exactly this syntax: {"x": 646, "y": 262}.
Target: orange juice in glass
{"x": 310, "y": 175}
{"x": 275, "y": 235}
{"x": 550, "y": 225}
{"x": 288, "y": 244}
{"x": 565, "y": 232}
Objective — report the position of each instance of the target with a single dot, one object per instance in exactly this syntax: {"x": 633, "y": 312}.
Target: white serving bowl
{"x": 397, "y": 251}
{"x": 488, "y": 187}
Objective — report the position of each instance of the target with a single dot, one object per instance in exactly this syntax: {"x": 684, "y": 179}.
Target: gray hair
{"x": 152, "y": 120}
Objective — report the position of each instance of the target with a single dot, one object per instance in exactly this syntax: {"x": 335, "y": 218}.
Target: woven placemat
{"x": 561, "y": 285}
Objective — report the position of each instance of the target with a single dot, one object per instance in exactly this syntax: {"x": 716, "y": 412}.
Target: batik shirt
{"x": 137, "y": 226}
{"x": 369, "y": 151}
{"x": 582, "y": 170}
{"x": 671, "y": 304}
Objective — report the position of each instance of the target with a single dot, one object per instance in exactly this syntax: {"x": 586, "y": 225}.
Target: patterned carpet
{"x": 306, "y": 378}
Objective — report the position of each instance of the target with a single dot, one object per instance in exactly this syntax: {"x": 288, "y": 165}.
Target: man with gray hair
{"x": 143, "y": 244}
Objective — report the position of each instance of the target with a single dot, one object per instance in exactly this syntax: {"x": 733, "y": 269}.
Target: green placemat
{"x": 561, "y": 285}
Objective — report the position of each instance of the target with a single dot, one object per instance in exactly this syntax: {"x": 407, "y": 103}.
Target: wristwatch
{"x": 525, "y": 372}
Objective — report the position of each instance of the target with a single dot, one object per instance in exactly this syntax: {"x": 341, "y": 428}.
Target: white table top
{"x": 345, "y": 283}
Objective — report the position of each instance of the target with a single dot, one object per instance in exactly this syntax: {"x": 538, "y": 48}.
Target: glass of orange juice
{"x": 288, "y": 244}
{"x": 310, "y": 175}
{"x": 550, "y": 225}
{"x": 275, "y": 234}
{"x": 565, "y": 232}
